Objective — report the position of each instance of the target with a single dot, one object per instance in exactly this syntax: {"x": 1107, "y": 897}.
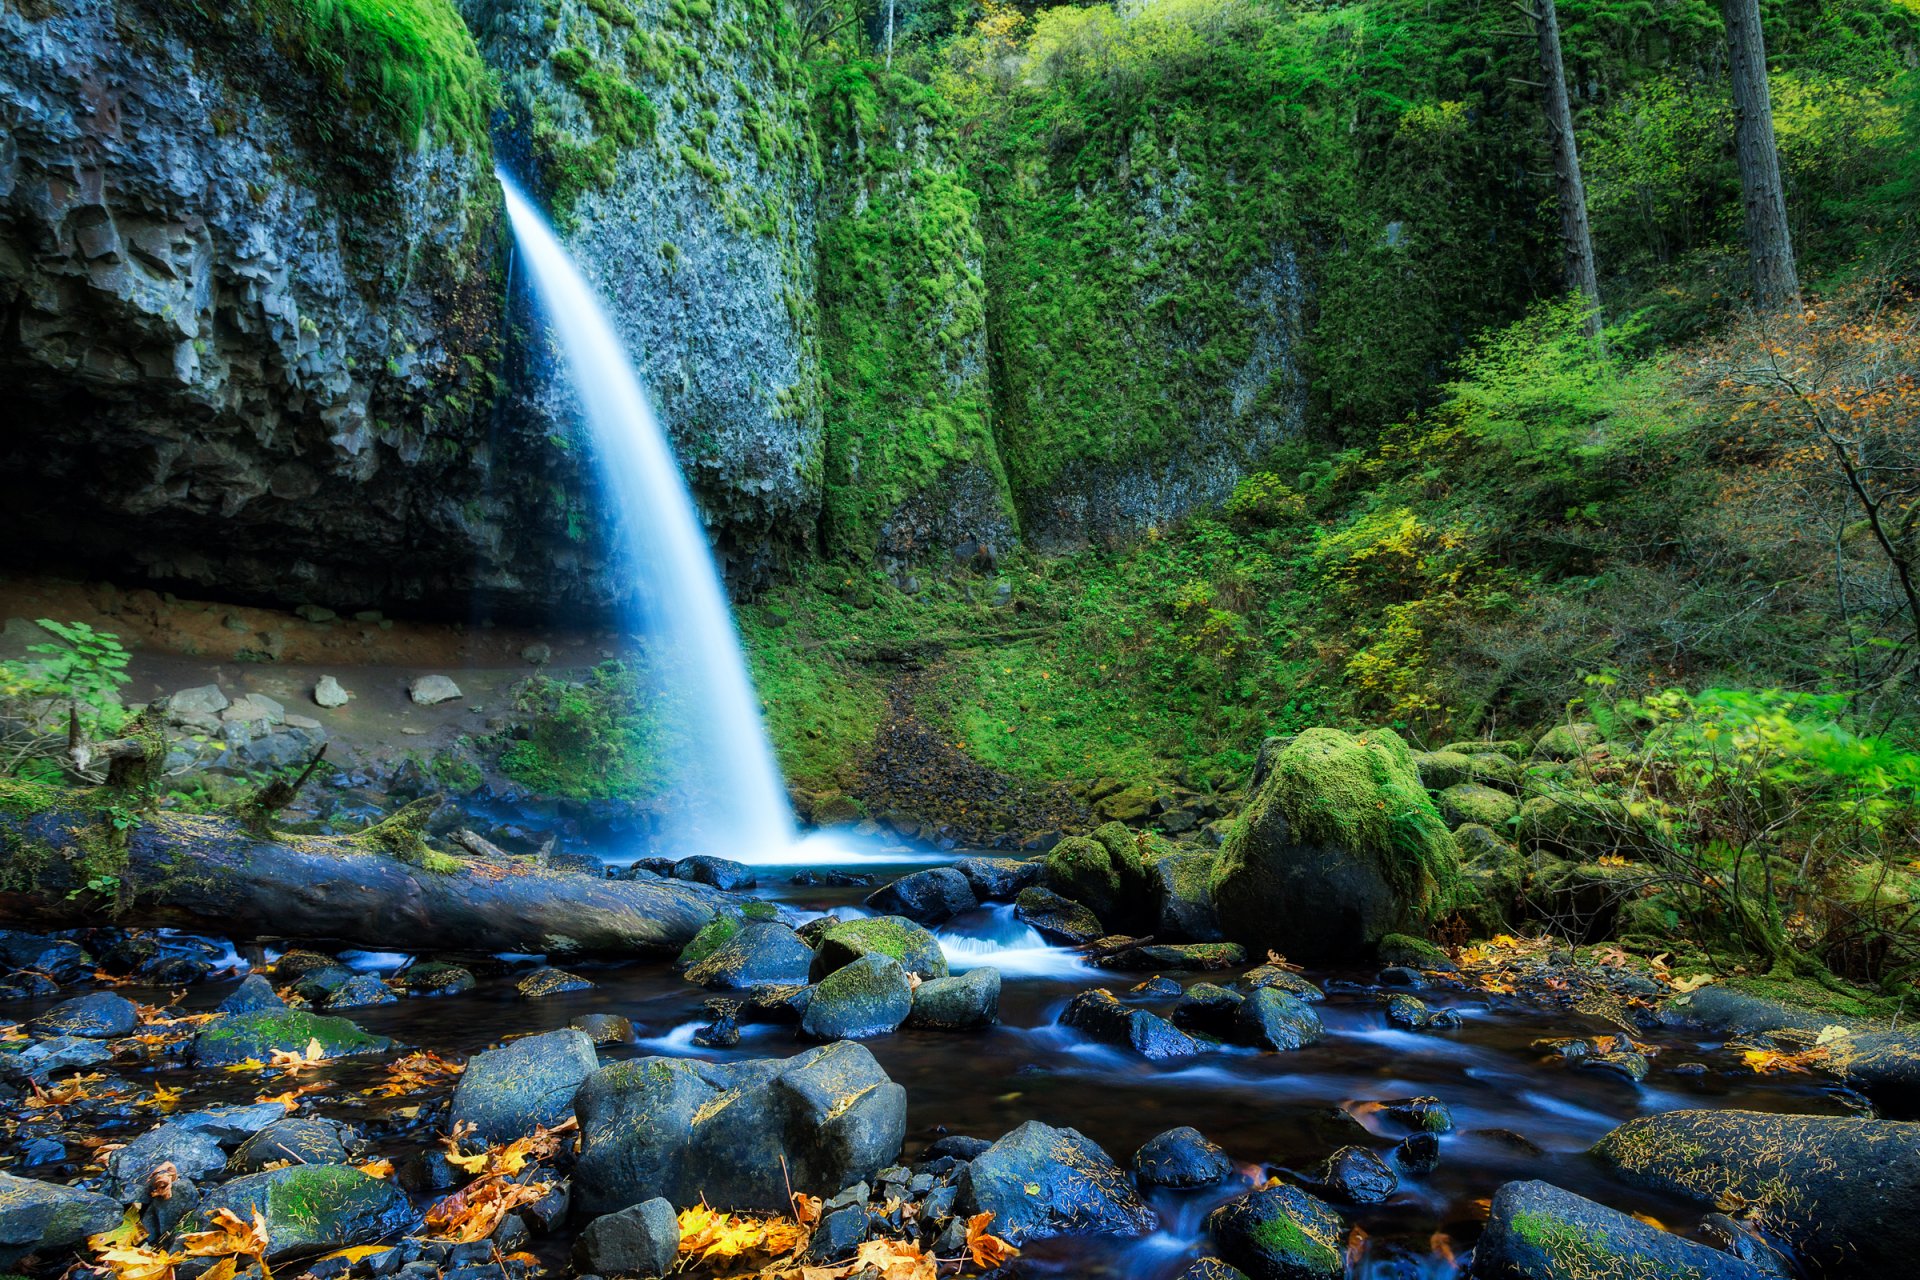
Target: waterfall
{"x": 722, "y": 762}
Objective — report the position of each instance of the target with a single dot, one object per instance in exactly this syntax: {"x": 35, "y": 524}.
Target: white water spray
{"x": 725, "y": 757}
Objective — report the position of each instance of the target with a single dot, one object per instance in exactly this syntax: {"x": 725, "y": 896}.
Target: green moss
{"x": 314, "y": 1196}
{"x": 1841, "y": 1000}
{"x": 24, "y": 798}
{"x": 713, "y": 935}
{"x": 1281, "y": 1237}
{"x": 1469, "y": 802}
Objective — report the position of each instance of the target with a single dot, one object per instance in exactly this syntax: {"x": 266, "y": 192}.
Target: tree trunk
{"x": 1764, "y": 195}
{"x": 1576, "y": 236}
{"x": 212, "y": 875}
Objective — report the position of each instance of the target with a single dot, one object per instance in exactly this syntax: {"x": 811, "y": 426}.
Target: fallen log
{"x": 68, "y": 868}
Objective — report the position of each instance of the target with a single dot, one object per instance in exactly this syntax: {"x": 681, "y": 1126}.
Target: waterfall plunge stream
{"x": 724, "y": 755}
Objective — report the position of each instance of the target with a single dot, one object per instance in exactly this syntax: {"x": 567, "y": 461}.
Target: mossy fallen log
{"x": 69, "y": 866}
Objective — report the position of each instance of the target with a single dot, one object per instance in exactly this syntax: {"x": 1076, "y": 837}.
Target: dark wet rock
{"x": 756, "y": 955}
{"x": 1744, "y": 1241}
{"x": 713, "y": 935}
{"x": 44, "y": 1059}
{"x": 1425, "y": 1113}
{"x": 100, "y": 1016}
{"x": 1184, "y": 957}
{"x": 1155, "y": 988}
{"x": 1412, "y": 1013}
{"x": 43, "y": 1217}
{"x": 867, "y": 998}
{"x": 542, "y": 983}
{"x": 963, "y": 1002}
{"x": 721, "y": 873}
{"x": 504, "y": 1093}
{"x": 839, "y": 1234}
{"x": 310, "y": 1208}
{"x": 1099, "y": 1015}
{"x": 316, "y": 986}
{"x": 1055, "y": 918}
{"x": 231, "y": 1124}
{"x": 1842, "y": 1192}
{"x": 61, "y": 959}
{"x": 1626, "y": 1064}
{"x": 683, "y": 1129}
{"x": 998, "y": 879}
{"x": 1418, "y": 1152}
{"x": 813, "y": 930}
{"x": 929, "y": 896}
{"x": 723, "y": 1032}
{"x": 1354, "y": 1175}
{"x": 1208, "y": 1009}
{"x": 957, "y": 1146}
{"x": 359, "y": 991}
{"x": 251, "y": 996}
{"x": 435, "y": 978}
{"x": 194, "y": 1153}
{"x": 773, "y": 1002}
{"x": 834, "y": 879}
{"x": 25, "y": 984}
{"x": 238, "y": 1037}
{"x": 641, "y": 1240}
{"x": 1106, "y": 872}
{"x": 1537, "y": 1231}
{"x": 1403, "y": 976}
{"x": 1181, "y": 886}
{"x": 1271, "y": 1019}
{"x": 1040, "y": 1182}
{"x": 1281, "y": 1233}
{"x": 294, "y": 1140}
{"x": 1211, "y": 1269}
{"x": 916, "y": 950}
{"x": 1280, "y": 978}
{"x": 1180, "y": 1157}
{"x": 604, "y": 1028}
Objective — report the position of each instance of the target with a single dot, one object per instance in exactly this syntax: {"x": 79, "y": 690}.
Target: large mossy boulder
{"x": 504, "y": 1093}
{"x": 1536, "y": 1231}
{"x": 243, "y": 1037}
{"x": 1578, "y": 824}
{"x": 1039, "y": 1182}
{"x": 735, "y": 1134}
{"x": 1106, "y": 872}
{"x": 1477, "y": 803}
{"x": 1339, "y": 846}
{"x": 1281, "y": 1233}
{"x": 1843, "y": 1192}
{"x": 310, "y": 1208}
{"x": 867, "y": 998}
{"x": 896, "y": 937}
{"x": 1568, "y": 741}
{"x": 1055, "y": 918}
{"x": 1182, "y": 883}
{"x": 42, "y": 1217}
{"x": 758, "y": 955}
{"x": 930, "y": 896}
{"x": 965, "y": 1002}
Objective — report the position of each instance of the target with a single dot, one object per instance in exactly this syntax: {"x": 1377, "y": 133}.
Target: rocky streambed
{"x": 1511, "y": 1109}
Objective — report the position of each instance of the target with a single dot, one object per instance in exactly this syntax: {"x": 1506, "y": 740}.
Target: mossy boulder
{"x": 1477, "y": 803}
{"x": 867, "y": 998}
{"x": 1182, "y": 881}
{"x": 1039, "y": 1182}
{"x": 1568, "y": 741}
{"x": 1583, "y": 898}
{"x": 1442, "y": 769}
{"x": 504, "y": 1093}
{"x": 1509, "y": 748}
{"x": 966, "y": 1002}
{"x": 1494, "y": 879}
{"x": 715, "y": 934}
{"x": 1579, "y": 824}
{"x": 1536, "y": 1231}
{"x": 1339, "y": 846}
{"x": 896, "y": 937}
{"x": 758, "y": 955}
{"x": 242, "y": 1037}
{"x": 1104, "y": 871}
{"x": 1100, "y": 1015}
{"x": 1056, "y": 918}
{"x": 1281, "y": 1233}
{"x": 45, "y": 1216}
{"x": 1414, "y": 953}
{"x": 1269, "y": 1018}
{"x": 310, "y": 1208}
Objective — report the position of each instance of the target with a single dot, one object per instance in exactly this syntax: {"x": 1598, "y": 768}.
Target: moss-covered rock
{"x": 1579, "y": 824}
{"x": 243, "y": 1037}
{"x": 1510, "y": 748}
{"x": 1476, "y": 803}
{"x": 1281, "y": 1233}
{"x": 1442, "y": 769}
{"x": 310, "y": 1208}
{"x": 1056, "y": 918}
{"x": 1339, "y": 846}
{"x": 1106, "y": 872}
{"x": 716, "y": 934}
{"x": 896, "y": 937}
{"x": 47, "y": 1216}
{"x": 1568, "y": 741}
{"x": 1536, "y": 1231}
{"x": 1493, "y": 877}
{"x": 1415, "y": 953}
{"x": 868, "y": 997}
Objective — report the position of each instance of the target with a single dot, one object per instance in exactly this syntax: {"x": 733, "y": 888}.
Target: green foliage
{"x": 80, "y": 671}
{"x": 821, "y": 710}
{"x": 598, "y": 738}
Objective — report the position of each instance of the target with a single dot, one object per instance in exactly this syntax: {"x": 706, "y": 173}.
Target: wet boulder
{"x": 603, "y": 1028}
{"x": 867, "y": 998}
{"x": 99, "y": 1016}
{"x": 294, "y": 1140}
{"x": 1843, "y": 1192}
{"x": 1338, "y": 846}
{"x": 1271, "y": 1019}
{"x": 544, "y": 982}
{"x": 309, "y": 1208}
{"x": 1211, "y": 1269}
{"x": 721, "y": 873}
{"x": 43, "y": 1217}
{"x": 1100, "y": 1015}
{"x": 242, "y": 1037}
{"x": 929, "y": 896}
{"x": 1280, "y": 978}
{"x": 1178, "y": 957}
{"x": 194, "y": 1152}
{"x": 1353, "y": 1175}
{"x": 251, "y": 996}
{"x": 1181, "y": 885}
{"x": 998, "y": 879}
{"x": 1207, "y": 1009}
{"x": 757, "y": 955}
{"x": 685, "y": 1129}
{"x": 1106, "y": 872}
{"x": 1536, "y": 1231}
{"x": 61, "y": 959}
{"x": 1180, "y": 1158}
{"x": 1281, "y": 1233}
{"x": 641, "y": 1240}
{"x": 900, "y": 939}
{"x": 1413, "y": 953}
{"x": 964, "y": 1002}
{"x": 506, "y": 1092}
{"x": 1055, "y": 918}
{"x": 713, "y": 935}
{"x": 359, "y": 991}
{"x": 1425, "y": 1113}
{"x": 1414, "y": 1014}
{"x": 1039, "y": 1182}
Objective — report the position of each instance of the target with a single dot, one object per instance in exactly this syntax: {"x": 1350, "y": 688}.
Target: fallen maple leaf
{"x": 896, "y": 1260}
{"x": 988, "y": 1250}
{"x": 291, "y": 1098}
{"x": 160, "y": 1181}
{"x": 382, "y": 1168}
{"x": 476, "y": 1210}
{"x": 289, "y": 1060}
{"x": 133, "y": 1262}
{"x": 230, "y": 1234}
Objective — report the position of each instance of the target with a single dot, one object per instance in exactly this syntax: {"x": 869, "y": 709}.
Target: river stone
{"x": 965, "y": 1002}
{"x": 545, "y": 982}
{"x": 1039, "y": 1182}
{"x": 1271, "y": 1019}
{"x": 428, "y": 691}
{"x": 1099, "y": 1015}
{"x": 1281, "y": 1233}
{"x": 687, "y": 1129}
{"x": 930, "y": 896}
{"x": 1425, "y": 1113}
{"x": 1180, "y": 883}
{"x": 60, "y": 959}
{"x": 721, "y": 873}
{"x": 759, "y": 954}
{"x": 998, "y": 879}
{"x": 917, "y": 950}
{"x": 100, "y": 1016}
{"x": 1207, "y": 1008}
{"x": 1105, "y": 874}
{"x": 867, "y": 998}
{"x": 359, "y": 991}
{"x": 41, "y": 1217}
{"x": 1183, "y": 957}
{"x": 1055, "y": 918}
{"x": 641, "y": 1240}
{"x": 1537, "y": 1231}
{"x": 310, "y": 1208}
{"x": 240, "y": 1037}
{"x": 194, "y": 1152}
{"x": 604, "y": 1028}
{"x": 1211, "y": 1269}
{"x": 251, "y": 996}
{"x": 504, "y": 1093}
{"x": 202, "y": 702}
{"x": 1180, "y": 1158}
{"x": 294, "y": 1140}
{"x": 1843, "y": 1192}
{"x": 1476, "y": 802}
{"x": 1355, "y": 1175}
{"x": 327, "y": 692}
{"x": 1280, "y": 978}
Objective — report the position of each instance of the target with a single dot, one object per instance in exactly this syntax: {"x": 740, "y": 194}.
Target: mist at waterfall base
{"x": 729, "y": 798}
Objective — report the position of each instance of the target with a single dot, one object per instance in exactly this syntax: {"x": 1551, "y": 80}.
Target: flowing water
{"x": 721, "y": 749}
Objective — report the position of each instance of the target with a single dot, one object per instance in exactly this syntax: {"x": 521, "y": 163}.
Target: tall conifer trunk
{"x": 1769, "y": 243}
{"x": 1576, "y": 236}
